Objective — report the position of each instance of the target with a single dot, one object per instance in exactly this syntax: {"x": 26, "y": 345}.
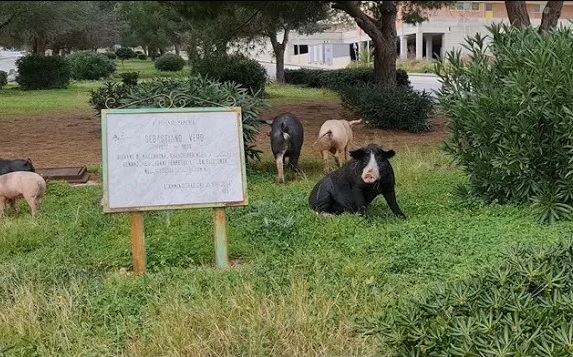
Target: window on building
{"x": 465, "y": 6}
{"x": 488, "y": 7}
{"x": 300, "y": 49}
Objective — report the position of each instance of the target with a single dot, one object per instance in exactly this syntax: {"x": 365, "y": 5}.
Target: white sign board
{"x": 156, "y": 159}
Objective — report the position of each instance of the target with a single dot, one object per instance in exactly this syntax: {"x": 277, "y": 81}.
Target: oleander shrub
{"x": 400, "y": 109}
{"x": 522, "y": 306}
{"x": 236, "y": 68}
{"x": 512, "y": 117}
{"x": 42, "y": 72}
{"x": 3, "y": 79}
{"x": 195, "y": 91}
{"x": 303, "y": 76}
{"x": 332, "y": 79}
{"x": 169, "y": 62}
{"x": 89, "y": 65}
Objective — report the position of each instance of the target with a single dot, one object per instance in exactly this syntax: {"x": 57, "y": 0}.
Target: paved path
{"x": 8, "y": 61}
{"x": 427, "y": 82}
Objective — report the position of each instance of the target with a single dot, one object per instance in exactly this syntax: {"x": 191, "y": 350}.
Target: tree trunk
{"x": 383, "y": 35}
{"x": 152, "y": 53}
{"x": 385, "y": 65}
{"x": 39, "y": 44}
{"x": 551, "y": 15}
{"x": 192, "y": 52}
{"x": 384, "y": 73}
{"x": 279, "y": 50}
{"x": 517, "y": 14}
{"x": 220, "y": 49}
{"x": 177, "y": 49}
{"x": 280, "y": 66}
{"x": 56, "y": 50}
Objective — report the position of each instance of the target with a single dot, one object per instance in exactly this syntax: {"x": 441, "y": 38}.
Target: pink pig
{"x": 335, "y": 136}
{"x": 22, "y": 184}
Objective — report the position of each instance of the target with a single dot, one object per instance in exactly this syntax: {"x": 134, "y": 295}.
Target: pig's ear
{"x": 357, "y": 154}
{"x": 389, "y": 154}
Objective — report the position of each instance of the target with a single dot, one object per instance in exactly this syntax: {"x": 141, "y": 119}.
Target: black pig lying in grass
{"x": 10, "y": 165}
{"x": 352, "y": 187}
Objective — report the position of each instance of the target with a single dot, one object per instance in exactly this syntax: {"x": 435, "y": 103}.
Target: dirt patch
{"x": 75, "y": 139}
{"x": 313, "y": 115}
{"x": 53, "y": 140}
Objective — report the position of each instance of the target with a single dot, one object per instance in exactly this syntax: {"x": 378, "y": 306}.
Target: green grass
{"x": 416, "y": 66}
{"x": 409, "y": 65}
{"x": 146, "y": 69}
{"x": 14, "y": 101}
{"x": 287, "y": 93}
{"x": 303, "y": 283}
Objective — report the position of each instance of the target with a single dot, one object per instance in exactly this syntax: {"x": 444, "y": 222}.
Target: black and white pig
{"x": 352, "y": 187}
{"x": 11, "y": 165}
{"x": 287, "y": 137}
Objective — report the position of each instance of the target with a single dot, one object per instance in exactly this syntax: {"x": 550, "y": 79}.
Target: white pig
{"x": 335, "y": 137}
{"x": 22, "y": 184}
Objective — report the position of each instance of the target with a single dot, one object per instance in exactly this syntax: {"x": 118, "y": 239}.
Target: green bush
{"x": 110, "y": 55}
{"x": 124, "y": 53}
{"x": 3, "y": 79}
{"x": 169, "y": 62}
{"x": 42, "y": 72}
{"x": 303, "y": 76}
{"x": 401, "y": 109}
{"x": 196, "y": 91}
{"x": 90, "y": 66}
{"x": 512, "y": 117}
{"x": 142, "y": 56}
{"x": 129, "y": 78}
{"x": 332, "y": 79}
{"x": 108, "y": 95}
{"x": 235, "y": 68}
{"x": 521, "y": 307}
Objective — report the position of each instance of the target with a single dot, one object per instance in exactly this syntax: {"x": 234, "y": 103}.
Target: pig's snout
{"x": 371, "y": 172}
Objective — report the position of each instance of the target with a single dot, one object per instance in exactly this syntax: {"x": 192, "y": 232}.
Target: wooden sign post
{"x": 176, "y": 158}
{"x": 137, "y": 242}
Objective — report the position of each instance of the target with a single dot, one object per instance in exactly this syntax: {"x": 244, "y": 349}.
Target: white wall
{"x": 454, "y": 33}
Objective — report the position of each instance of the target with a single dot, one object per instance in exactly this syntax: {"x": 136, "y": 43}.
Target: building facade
{"x": 445, "y": 30}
